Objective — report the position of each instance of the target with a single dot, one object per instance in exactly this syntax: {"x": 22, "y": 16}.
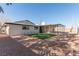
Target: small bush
{"x": 42, "y": 36}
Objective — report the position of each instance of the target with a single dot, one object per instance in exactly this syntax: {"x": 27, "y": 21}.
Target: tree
{"x": 8, "y": 4}
{"x": 2, "y": 14}
{"x": 1, "y": 10}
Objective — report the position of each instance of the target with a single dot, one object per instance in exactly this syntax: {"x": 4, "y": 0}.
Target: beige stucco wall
{"x": 73, "y": 31}
{"x": 68, "y": 30}
{"x": 17, "y": 30}
{"x": 52, "y": 29}
{"x": 59, "y": 29}
{"x": 30, "y": 31}
{"x": 7, "y": 29}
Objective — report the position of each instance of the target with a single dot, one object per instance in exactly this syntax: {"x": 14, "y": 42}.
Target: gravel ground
{"x": 27, "y": 46}
{"x": 57, "y": 46}
{"x": 10, "y": 47}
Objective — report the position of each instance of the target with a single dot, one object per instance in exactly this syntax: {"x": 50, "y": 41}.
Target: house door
{"x": 41, "y": 30}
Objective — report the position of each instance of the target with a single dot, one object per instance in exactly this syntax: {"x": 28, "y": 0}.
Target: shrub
{"x": 42, "y": 36}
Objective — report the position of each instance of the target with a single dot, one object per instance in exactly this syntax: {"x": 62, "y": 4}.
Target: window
{"x": 35, "y": 27}
{"x": 25, "y": 27}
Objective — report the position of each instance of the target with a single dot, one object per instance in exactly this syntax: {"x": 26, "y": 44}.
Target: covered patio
{"x": 56, "y": 28}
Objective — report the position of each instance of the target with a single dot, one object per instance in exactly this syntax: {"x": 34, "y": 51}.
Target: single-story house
{"x": 26, "y": 27}
{"x": 23, "y": 27}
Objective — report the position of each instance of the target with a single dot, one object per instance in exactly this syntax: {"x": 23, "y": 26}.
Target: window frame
{"x": 25, "y": 28}
{"x": 35, "y": 27}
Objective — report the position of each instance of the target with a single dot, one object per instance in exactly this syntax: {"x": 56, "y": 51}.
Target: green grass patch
{"x": 42, "y": 36}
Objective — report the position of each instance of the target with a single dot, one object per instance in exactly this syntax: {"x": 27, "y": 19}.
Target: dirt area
{"x": 10, "y": 47}
{"x": 67, "y": 45}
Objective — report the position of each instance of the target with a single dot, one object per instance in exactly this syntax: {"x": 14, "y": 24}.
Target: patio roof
{"x": 53, "y": 25}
